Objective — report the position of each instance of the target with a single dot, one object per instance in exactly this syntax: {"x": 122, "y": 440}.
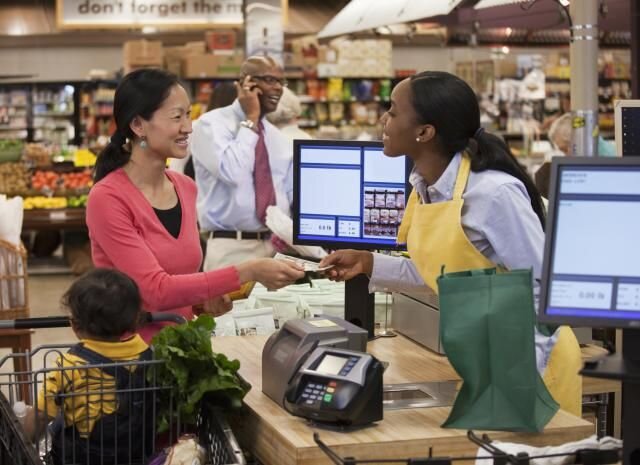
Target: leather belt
{"x": 240, "y": 235}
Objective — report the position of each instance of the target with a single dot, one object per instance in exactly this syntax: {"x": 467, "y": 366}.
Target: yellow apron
{"x": 434, "y": 237}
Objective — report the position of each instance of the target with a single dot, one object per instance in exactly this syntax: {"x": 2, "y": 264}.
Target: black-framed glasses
{"x": 271, "y": 80}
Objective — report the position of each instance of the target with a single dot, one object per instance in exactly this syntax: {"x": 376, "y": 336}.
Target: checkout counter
{"x": 279, "y": 438}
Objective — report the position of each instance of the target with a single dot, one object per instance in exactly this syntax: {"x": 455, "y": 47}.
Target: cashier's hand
{"x": 248, "y": 96}
{"x": 347, "y": 264}
{"x": 217, "y": 306}
{"x": 272, "y": 274}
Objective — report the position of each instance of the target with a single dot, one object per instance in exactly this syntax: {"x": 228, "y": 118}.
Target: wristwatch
{"x": 247, "y": 124}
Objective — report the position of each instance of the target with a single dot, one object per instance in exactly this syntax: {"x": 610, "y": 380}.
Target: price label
{"x": 58, "y": 215}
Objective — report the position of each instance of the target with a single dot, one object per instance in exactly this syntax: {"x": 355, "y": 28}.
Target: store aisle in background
{"x": 44, "y": 300}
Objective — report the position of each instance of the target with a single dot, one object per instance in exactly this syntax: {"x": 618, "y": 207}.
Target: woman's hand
{"x": 347, "y": 264}
{"x": 217, "y": 306}
{"x": 272, "y": 274}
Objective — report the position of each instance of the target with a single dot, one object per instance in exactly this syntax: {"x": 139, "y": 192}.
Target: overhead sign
{"x": 94, "y": 14}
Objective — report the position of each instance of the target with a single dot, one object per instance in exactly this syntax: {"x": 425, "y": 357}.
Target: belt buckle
{"x": 238, "y": 235}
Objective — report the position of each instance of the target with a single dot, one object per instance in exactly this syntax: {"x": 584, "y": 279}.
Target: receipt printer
{"x": 337, "y": 387}
{"x": 287, "y": 349}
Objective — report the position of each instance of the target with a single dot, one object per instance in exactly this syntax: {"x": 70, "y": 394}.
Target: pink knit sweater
{"x": 127, "y": 235}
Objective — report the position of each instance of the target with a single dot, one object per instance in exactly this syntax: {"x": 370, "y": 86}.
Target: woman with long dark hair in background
{"x": 472, "y": 206}
{"x": 142, "y": 217}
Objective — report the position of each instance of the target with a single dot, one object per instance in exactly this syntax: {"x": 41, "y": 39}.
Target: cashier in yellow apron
{"x": 434, "y": 114}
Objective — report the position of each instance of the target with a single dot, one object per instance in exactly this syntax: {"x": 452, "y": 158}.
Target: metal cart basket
{"x": 107, "y": 418}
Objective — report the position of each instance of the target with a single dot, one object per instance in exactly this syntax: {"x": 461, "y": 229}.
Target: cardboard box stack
{"x": 216, "y": 56}
{"x": 142, "y": 54}
{"x": 358, "y": 58}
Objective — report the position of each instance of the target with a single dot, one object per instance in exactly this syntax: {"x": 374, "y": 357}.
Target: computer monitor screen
{"x": 591, "y": 268}
{"x": 347, "y": 194}
{"x": 627, "y": 127}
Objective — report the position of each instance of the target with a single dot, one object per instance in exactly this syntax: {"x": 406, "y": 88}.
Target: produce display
{"x": 14, "y": 178}
{"x": 45, "y": 188}
{"x": 44, "y": 202}
{"x": 75, "y": 181}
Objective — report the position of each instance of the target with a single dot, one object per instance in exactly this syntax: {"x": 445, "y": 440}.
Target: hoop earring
{"x": 143, "y": 143}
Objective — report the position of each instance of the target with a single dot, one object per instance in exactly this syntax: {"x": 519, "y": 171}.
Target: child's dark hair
{"x": 104, "y": 303}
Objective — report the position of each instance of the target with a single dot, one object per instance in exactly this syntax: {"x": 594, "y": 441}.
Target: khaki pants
{"x": 223, "y": 252}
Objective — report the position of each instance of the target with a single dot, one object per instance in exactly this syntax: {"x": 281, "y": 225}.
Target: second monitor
{"x": 348, "y": 194}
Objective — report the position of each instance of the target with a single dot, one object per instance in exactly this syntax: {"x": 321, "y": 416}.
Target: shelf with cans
{"x": 39, "y": 112}
{"x": 331, "y": 107}
{"x": 343, "y": 106}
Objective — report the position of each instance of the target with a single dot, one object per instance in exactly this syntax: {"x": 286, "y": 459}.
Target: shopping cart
{"x": 101, "y": 391}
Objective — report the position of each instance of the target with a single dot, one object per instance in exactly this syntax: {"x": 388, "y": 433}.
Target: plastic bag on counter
{"x": 254, "y": 322}
{"x": 284, "y": 305}
{"x": 225, "y": 325}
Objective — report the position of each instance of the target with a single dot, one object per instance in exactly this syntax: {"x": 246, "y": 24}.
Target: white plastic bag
{"x": 11, "y": 215}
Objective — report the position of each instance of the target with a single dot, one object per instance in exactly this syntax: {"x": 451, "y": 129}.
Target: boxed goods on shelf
{"x": 221, "y": 42}
{"x": 364, "y": 58}
{"x": 142, "y": 53}
{"x": 208, "y": 65}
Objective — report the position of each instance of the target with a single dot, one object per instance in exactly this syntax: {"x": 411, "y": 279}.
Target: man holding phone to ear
{"x": 243, "y": 164}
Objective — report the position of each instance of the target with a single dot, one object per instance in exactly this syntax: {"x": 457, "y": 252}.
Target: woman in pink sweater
{"x": 142, "y": 217}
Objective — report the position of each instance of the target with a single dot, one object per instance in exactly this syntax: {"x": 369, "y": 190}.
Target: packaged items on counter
{"x": 225, "y": 325}
{"x": 284, "y": 305}
{"x": 254, "y": 322}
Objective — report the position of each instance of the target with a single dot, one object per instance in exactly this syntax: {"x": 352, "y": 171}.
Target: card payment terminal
{"x": 337, "y": 386}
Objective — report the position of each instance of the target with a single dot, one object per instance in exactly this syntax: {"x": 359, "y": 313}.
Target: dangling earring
{"x": 417, "y": 139}
{"x": 143, "y": 143}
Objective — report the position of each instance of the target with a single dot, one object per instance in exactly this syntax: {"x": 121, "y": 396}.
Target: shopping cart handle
{"x": 154, "y": 317}
{"x": 35, "y": 323}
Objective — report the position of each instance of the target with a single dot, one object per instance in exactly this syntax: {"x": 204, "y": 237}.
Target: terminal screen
{"x": 349, "y": 194}
{"x": 594, "y": 257}
{"x": 331, "y": 364}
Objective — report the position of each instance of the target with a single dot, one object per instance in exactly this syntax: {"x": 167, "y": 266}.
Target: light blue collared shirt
{"x": 498, "y": 220}
{"x": 224, "y": 157}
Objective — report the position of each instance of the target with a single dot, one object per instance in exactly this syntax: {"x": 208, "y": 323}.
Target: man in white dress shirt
{"x": 243, "y": 164}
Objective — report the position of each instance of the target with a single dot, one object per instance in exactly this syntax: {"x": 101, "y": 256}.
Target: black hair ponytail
{"x": 489, "y": 152}
{"x": 140, "y": 93}
{"x": 112, "y": 157}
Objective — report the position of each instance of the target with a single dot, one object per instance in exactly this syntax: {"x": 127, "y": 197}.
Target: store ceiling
{"x": 32, "y": 23}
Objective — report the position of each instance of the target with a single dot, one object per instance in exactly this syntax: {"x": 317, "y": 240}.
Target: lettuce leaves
{"x": 194, "y": 372}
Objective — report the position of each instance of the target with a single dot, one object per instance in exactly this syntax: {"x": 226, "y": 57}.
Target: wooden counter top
{"x": 277, "y": 438}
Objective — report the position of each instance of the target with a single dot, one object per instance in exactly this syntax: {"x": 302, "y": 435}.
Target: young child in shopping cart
{"x": 96, "y": 407}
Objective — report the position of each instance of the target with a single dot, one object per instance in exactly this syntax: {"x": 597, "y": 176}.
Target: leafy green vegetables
{"x": 194, "y": 370}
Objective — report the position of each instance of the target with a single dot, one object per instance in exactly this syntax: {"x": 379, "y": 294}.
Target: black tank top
{"x": 171, "y": 219}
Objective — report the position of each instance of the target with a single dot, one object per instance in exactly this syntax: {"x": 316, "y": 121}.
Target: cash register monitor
{"x": 347, "y": 194}
{"x": 591, "y": 269}
{"x": 627, "y": 127}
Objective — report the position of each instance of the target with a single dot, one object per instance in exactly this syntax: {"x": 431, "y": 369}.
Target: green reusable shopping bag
{"x": 486, "y": 330}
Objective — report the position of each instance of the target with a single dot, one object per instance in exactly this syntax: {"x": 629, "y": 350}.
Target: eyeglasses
{"x": 271, "y": 80}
